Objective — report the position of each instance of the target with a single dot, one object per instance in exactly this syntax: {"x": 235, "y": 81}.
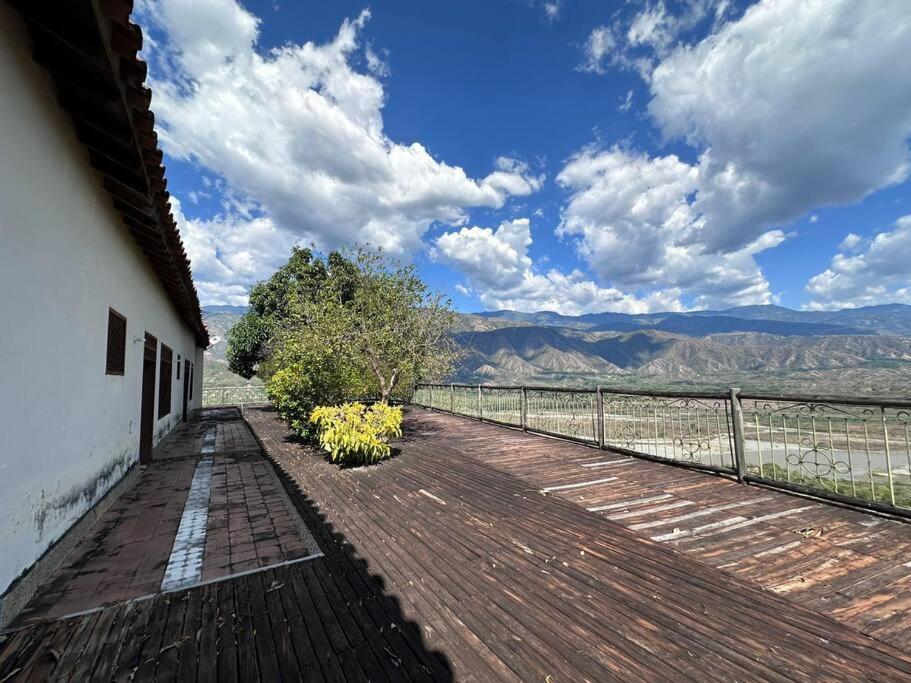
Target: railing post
{"x": 523, "y": 409}
{"x": 882, "y": 412}
{"x": 452, "y": 399}
{"x": 600, "y": 408}
{"x": 480, "y": 410}
{"x": 430, "y": 401}
{"x": 740, "y": 456}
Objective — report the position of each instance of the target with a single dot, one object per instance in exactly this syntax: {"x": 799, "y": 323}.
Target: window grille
{"x": 117, "y": 343}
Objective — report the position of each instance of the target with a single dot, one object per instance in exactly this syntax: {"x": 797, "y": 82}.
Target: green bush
{"x": 295, "y": 391}
{"x": 303, "y": 373}
{"x": 354, "y": 434}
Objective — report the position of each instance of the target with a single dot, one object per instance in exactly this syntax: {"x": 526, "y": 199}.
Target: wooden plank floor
{"x": 441, "y": 564}
{"x": 510, "y": 583}
{"x": 325, "y": 618}
{"x": 850, "y": 565}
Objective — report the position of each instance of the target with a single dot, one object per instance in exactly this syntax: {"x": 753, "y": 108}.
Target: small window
{"x": 191, "y": 381}
{"x": 164, "y": 382}
{"x": 117, "y": 343}
{"x": 178, "y": 366}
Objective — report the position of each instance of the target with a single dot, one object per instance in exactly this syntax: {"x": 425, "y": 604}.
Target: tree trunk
{"x": 386, "y": 389}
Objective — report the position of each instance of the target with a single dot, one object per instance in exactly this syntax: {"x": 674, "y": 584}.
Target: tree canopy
{"x": 354, "y": 324}
{"x": 249, "y": 341}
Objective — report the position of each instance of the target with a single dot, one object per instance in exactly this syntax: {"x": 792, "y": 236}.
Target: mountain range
{"x": 220, "y": 319}
{"x": 768, "y": 348}
{"x": 884, "y": 319}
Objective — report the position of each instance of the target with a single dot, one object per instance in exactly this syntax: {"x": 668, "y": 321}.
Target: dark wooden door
{"x": 147, "y": 414}
{"x": 186, "y": 386}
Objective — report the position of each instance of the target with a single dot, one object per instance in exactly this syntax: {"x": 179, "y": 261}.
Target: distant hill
{"x": 218, "y": 320}
{"x": 767, "y": 348}
{"x": 549, "y": 349}
{"x": 886, "y": 319}
{"x": 224, "y": 308}
{"x": 534, "y": 354}
{"x": 703, "y": 325}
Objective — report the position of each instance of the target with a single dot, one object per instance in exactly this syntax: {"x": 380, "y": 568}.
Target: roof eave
{"x": 90, "y": 48}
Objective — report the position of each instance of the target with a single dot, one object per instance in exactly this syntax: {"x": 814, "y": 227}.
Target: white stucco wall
{"x": 68, "y": 431}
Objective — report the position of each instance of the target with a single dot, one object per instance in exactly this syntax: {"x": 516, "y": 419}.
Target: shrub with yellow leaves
{"x": 355, "y": 434}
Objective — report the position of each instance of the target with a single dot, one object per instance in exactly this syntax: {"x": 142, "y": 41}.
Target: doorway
{"x": 147, "y": 414}
{"x": 186, "y": 387}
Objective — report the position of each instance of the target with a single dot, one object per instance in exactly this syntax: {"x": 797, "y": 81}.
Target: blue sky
{"x": 572, "y": 156}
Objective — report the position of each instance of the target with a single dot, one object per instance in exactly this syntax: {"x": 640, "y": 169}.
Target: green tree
{"x": 370, "y": 328}
{"x": 250, "y": 339}
{"x": 397, "y": 327}
{"x": 308, "y": 368}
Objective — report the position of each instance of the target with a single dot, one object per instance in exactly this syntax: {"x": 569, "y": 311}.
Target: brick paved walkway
{"x": 250, "y": 523}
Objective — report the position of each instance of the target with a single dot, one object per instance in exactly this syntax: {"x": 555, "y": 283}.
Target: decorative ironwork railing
{"x": 841, "y": 446}
{"x": 233, "y": 396}
{"x": 561, "y": 412}
{"x": 853, "y": 450}
{"x": 694, "y": 430}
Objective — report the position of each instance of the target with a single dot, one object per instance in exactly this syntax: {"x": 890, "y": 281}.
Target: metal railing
{"x": 855, "y": 451}
{"x": 233, "y": 396}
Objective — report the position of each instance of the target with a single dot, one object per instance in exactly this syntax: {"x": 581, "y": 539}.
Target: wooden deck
{"x": 852, "y": 566}
{"x": 449, "y": 562}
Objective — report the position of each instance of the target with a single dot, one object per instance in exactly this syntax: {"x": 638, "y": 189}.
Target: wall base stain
{"x": 79, "y": 498}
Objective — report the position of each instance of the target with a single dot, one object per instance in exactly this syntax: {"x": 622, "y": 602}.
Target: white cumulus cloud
{"x": 794, "y": 105}
{"x": 798, "y": 104}
{"x": 231, "y": 251}
{"x": 500, "y": 271}
{"x": 297, "y": 131}
{"x": 866, "y": 273}
{"x": 598, "y": 49}
{"x": 637, "y": 41}
{"x": 637, "y": 226}
{"x": 552, "y": 10}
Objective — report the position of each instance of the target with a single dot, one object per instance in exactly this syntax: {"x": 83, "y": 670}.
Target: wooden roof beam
{"x": 127, "y": 194}
{"x": 110, "y": 167}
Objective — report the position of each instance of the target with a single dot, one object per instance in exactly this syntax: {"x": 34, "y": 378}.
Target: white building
{"x": 101, "y": 335}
